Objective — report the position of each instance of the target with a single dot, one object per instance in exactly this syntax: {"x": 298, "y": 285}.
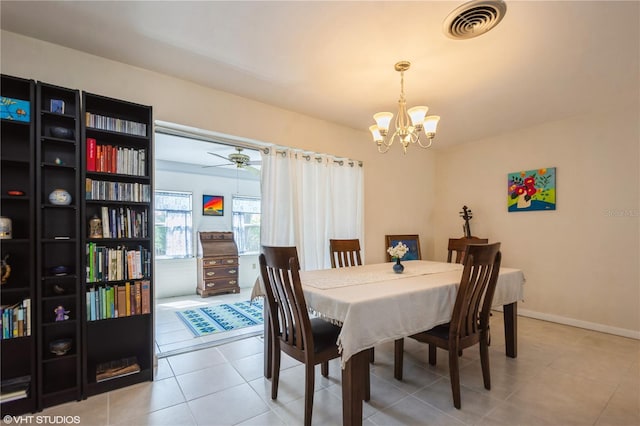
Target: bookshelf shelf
{"x": 17, "y": 170}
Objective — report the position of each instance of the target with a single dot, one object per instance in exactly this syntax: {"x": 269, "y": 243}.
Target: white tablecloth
{"x": 375, "y": 305}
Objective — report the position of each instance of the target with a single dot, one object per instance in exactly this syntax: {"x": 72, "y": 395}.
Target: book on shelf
{"x": 146, "y": 296}
{"x": 12, "y": 396}
{"x": 15, "y": 320}
{"x": 91, "y": 155}
{"x": 118, "y": 159}
{"x": 115, "y": 124}
{"x": 56, "y": 106}
{"x": 14, "y": 388}
{"x": 117, "y": 368}
{"x": 124, "y": 222}
{"x": 121, "y": 301}
{"x": 127, "y": 298}
{"x": 116, "y": 263}
{"x": 117, "y": 191}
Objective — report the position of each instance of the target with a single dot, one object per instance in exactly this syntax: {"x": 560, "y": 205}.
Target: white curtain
{"x": 308, "y": 199}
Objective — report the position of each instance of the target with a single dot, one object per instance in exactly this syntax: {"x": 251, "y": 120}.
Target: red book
{"x": 114, "y": 160}
{"x": 107, "y": 159}
{"x": 91, "y": 155}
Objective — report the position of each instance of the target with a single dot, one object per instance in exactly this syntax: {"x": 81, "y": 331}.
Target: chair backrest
{"x": 288, "y": 315}
{"x": 475, "y": 293}
{"x": 458, "y": 245}
{"x": 345, "y": 253}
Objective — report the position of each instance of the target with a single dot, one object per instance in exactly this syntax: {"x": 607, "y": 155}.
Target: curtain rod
{"x": 317, "y": 157}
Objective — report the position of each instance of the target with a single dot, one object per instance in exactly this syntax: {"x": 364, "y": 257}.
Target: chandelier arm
{"x": 424, "y": 146}
{"x": 382, "y": 150}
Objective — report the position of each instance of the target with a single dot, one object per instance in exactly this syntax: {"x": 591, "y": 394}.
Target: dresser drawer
{"x": 229, "y": 271}
{"x": 220, "y": 284}
{"x": 207, "y": 263}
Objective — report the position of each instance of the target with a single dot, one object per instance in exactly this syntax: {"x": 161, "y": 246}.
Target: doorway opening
{"x": 191, "y": 164}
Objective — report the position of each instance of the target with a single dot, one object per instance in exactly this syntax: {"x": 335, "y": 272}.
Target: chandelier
{"x": 409, "y": 122}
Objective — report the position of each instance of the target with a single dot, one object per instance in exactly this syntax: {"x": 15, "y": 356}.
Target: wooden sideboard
{"x": 218, "y": 266}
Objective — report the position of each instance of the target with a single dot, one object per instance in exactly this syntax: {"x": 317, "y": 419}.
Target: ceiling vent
{"x": 474, "y": 18}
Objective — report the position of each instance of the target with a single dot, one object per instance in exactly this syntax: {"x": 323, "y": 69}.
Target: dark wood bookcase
{"x": 18, "y": 354}
{"x": 58, "y": 244}
{"x": 52, "y": 194}
{"x": 117, "y": 195}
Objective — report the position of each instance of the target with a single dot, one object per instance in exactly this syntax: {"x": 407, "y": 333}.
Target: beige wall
{"x": 597, "y": 170}
{"x": 581, "y": 261}
{"x": 185, "y": 103}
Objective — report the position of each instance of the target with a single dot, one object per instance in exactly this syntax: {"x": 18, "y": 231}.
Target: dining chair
{"x": 469, "y": 323}
{"x": 345, "y": 253}
{"x": 458, "y": 245}
{"x": 311, "y": 341}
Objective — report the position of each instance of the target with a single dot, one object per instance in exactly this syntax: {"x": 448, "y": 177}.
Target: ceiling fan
{"x": 241, "y": 161}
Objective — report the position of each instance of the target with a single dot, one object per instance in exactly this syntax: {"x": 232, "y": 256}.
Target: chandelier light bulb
{"x": 430, "y": 125}
{"x": 375, "y": 132}
{"x": 383, "y": 120}
{"x": 417, "y": 115}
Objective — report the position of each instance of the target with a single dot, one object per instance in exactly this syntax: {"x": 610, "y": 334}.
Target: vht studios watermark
{"x": 41, "y": 420}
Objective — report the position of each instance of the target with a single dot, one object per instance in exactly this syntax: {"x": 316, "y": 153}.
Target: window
{"x": 246, "y": 224}
{"x": 173, "y": 231}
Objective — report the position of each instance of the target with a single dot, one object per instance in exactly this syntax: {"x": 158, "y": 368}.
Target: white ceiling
{"x": 201, "y": 157}
{"x": 334, "y": 60}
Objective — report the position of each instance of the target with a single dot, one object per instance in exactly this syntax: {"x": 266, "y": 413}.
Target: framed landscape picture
{"x": 531, "y": 190}
{"x": 411, "y": 241}
{"x": 213, "y": 205}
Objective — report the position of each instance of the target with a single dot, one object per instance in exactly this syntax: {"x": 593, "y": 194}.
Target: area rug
{"x": 221, "y": 318}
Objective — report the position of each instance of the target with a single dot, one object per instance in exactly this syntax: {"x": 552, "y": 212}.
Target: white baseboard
{"x": 633, "y": 334}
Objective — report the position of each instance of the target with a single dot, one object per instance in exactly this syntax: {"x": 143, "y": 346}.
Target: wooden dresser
{"x": 218, "y": 266}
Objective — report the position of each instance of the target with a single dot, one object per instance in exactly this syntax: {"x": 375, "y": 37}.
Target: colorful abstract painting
{"x": 213, "y": 205}
{"x": 532, "y": 190}
{"x": 14, "y": 109}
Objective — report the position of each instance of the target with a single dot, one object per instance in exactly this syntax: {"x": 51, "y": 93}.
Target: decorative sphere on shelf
{"x": 60, "y": 197}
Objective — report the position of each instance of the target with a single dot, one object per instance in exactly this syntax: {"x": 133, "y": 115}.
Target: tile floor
{"x": 562, "y": 376}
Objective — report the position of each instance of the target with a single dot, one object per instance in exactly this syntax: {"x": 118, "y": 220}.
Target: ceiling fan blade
{"x": 218, "y": 155}
{"x": 217, "y": 165}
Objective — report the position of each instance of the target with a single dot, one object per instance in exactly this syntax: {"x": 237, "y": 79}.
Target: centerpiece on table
{"x": 397, "y": 252}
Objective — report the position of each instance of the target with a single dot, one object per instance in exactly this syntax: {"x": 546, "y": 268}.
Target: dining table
{"x": 373, "y": 304}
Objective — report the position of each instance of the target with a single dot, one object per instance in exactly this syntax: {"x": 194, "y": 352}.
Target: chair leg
{"x": 398, "y": 358}
{"x": 484, "y": 362}
{"x": 324, "y": 368}
{"x": 454, "y": 374}
{"x": 367, "y": 380}
{"x": 309, "y": 386}
{"x": 433, "y": 350}
{"x": 275, "y": 369}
